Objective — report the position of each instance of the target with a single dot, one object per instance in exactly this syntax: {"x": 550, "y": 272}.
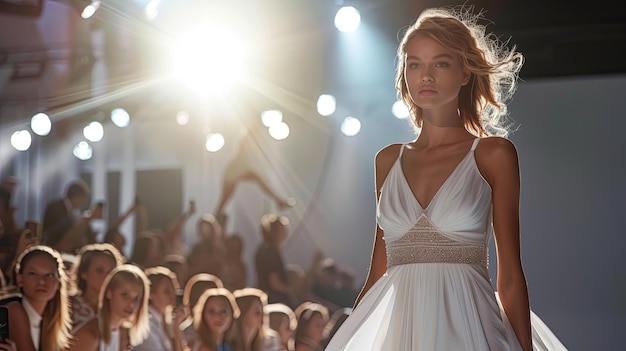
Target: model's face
{"x": 217, "y": 314}
{"x": 163, "y": 295}
{"x": 253, "y": 318}
{"x": 433, "y": 74}
{"x": 125, "y": 299}
{"x": 315, "y": 329}
{"x": 39, "y": 279}
{"x": 98, "y": 269}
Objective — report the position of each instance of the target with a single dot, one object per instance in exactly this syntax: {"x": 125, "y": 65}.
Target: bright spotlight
{"x": 214, "y": 142}
{"x": 347, "y": 19}
{"x": 326, "y": 105}
{"x": 351, "y": 126}
{"x": 279, "y": 131}
{"x": 94, "y": 132}
{"x": 21, "y": 140}
{"x": 120, "y": 117}
{"x": 152, "y": 9}
{"x": 90, "y": 9}
{"x": 83, "y": 151}
{"x": 400, "y": 110}
{"x": 182, "y": 118}
{"x": 208, "y": 59}
{"x": 271, "y": 117}
{"x": 40, "y": 124}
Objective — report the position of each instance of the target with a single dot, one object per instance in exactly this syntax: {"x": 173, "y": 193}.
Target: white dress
{"x": 436, "y": 294}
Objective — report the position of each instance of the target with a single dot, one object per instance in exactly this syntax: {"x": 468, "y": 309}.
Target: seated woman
{"x": 312, "y": 319}
{"x": 165, "y": 334}
{"x": 93, "y": 263}
{"x": 213, "y": 319}
{"x": 283, "y": 321}
{"x": 250, "y": 330}
{"x": 44, "y": 306}
{"x": 194, "y": 288}
{"x": 122, "y": 318}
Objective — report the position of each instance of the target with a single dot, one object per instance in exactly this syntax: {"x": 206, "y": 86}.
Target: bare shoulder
{"x": 386, "y": 156}
{"x": 496, "y": 156}
{"x": 385, "y": 159}
{"x": 388, "y": 153}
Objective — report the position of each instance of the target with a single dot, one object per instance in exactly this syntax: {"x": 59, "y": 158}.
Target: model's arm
{"x": 498, "y": 162}
{"x": 385, "y": 159}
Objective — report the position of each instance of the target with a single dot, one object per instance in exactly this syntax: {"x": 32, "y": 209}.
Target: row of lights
{"x": 41, "y": 125}
{"x": 347, "y": 18}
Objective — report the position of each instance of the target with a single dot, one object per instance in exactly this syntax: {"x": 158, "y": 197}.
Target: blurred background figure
{"x": 282, "y": 319}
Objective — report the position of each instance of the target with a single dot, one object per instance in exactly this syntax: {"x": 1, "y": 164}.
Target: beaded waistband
{"x": 424, "y": 243}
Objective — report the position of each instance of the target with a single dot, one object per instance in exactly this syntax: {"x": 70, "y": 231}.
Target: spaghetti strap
{"x": 401, "y": 150}
{"x": 474, "y": 144}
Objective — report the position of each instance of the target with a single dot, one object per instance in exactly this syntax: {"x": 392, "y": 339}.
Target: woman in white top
{"x": 122, "y": 318}
{"x": 44, "y": 306}
{"x": 165, "y": 318}
{"x": 93, "y": 264}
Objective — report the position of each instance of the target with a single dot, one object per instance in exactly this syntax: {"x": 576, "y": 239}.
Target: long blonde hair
{"x": 245, "y": 297}
{"x": 492, "y": 66}
{"x": 56, "y": 320}
{"x": 138, "y": 325}
{"x": 200, "y": 326}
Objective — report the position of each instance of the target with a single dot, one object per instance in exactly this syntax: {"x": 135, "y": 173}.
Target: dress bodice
{"x": 459, "y": 213}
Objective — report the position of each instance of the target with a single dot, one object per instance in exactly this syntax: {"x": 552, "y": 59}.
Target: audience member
{"x": 282, "y": 319}
{"x": 165, "y": 316}
{"x": 213, "y": 317}
{"x": 148, "y": 250}
{"x": 312, "y": 319}
{"x": 65, "y": 229}
{"x": 7, "y": 210}
{"x": 235, "y": 270}
{"x": 251, "y": 331}
{"x": 177, "y": 264}
{"x": 113, "y": 235}
{"x": 194, "y": 288}
{"x": 173, "y": 236}
{"x": 122, "y": 318}
{"x": 44, "y": 308}
{"x": 270, "y": 268}
{"x": 208, "y": 254}
{"x": 93, "y": 263}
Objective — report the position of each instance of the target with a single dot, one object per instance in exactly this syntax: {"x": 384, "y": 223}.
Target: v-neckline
{"x": 406, "y": 181}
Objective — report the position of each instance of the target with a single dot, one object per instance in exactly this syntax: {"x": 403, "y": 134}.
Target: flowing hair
{"x": 245, "y": 297}
{"x": 138, "y": 325}
{"x": 56, "y": 320}
{"x": 492, "y": 66}
{"x": 200, "y": 325}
